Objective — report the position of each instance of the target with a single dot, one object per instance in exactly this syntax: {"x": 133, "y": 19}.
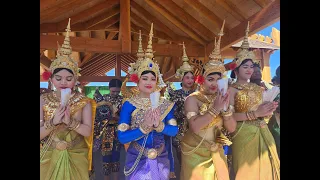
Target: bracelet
{"x": 48, "y": 125}
{"x": 227, "y": 113}
{"x": 160, "y": 127}
{"x": 74, "y": 125}
{"x": 145, "y": 129}
{"x": 212, "y": 114}
{"x": 212, "y": 109}
{"x": 251, "y": 116}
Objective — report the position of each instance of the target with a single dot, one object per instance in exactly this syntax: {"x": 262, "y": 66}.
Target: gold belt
{"x": 258, "y": 123}
{"x": 149, "y": 153}
{"x": 62, "y": 145}
{"x": 211, "y": 145}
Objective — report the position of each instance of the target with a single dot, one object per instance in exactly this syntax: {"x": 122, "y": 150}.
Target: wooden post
{"x": 118, "y": 66}
{"x": 125, "y": 30}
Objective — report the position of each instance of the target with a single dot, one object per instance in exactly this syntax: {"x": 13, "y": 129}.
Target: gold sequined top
{"x": 212, "y": 132}
{"x": 248, "y": 98}
{"x": 52, "y": 103}
{"x": 142, "y": 105}
{"x": 207, "y": 102}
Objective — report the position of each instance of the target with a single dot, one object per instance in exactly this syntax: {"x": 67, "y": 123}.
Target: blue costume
{"x": 155, "y": 166}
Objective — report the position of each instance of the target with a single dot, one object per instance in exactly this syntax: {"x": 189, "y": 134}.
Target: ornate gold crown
{"x": 146, "y": 63}
{"x": 215, "y": 63}
{"x": 185, "y": 67}
{"x": 63, "y": 58}
{"x": 244, "y": 51}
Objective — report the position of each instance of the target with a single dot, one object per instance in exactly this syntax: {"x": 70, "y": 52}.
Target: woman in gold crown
{"x": 186, "y": 74}
{"x": 65, "y": 123}
{"x": 143, "y": 123}
{"x": 202, "y": 145}
{"x": 253, "y": 147}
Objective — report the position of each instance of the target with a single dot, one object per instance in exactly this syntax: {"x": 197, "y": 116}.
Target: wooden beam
{"x": 226, "y": 5}
{"x": 269, "y": 15}
{"x": 263, "y": 3}
{"x": 214, "y": 19}
{"x": 125, "y": 31}
{"x": 86, "y": 59}
{"x": 175, "y": 21}
{"x": 81, "y": 44}
{"x": 111, "y": 35}
{"x": 86, "y": 13}
{"x": 99, "y": 19}
{"x": 171, "y": 49}
{"x": 190, "y": 21}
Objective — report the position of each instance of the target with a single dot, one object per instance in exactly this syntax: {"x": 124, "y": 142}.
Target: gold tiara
{"x": 215, "y": 63}
{"x": 63, "y": 58}
{"x": 244, "y": 52}
{"x": 185, "y": 67}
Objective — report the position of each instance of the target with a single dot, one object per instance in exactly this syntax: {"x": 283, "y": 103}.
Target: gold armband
{"x": 172, "y": 122}
{"x": 123, "y": 127}
{"x": 191, "y": 114}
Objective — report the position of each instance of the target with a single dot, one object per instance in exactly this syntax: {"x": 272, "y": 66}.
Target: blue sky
{"x": 274, "y": 61}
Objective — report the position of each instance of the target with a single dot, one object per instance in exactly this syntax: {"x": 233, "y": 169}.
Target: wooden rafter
{"x": 214, "y": 19}
{"x": 111, "y": 35}
{"x": 226, "y": 5}
{"x": 269, "y": 15}
{"x": 175, "y": 21}
{"x": 190, "y": 21}
{"x": 97, "y": 63}
{"x": 62, "y": 9}
{"x": 159, "y": 24}
{"x": 86, "y": 59}
{"x": 263, "y": 3}
{"x": 103, "y": 17}
{"x": 145, "y": 29}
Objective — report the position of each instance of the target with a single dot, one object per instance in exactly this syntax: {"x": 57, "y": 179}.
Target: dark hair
{"x": 59, "y": 69}
{"x": 146, "y": 72}
{"x": 278, "y": 72}
{"x": 187, "y": 73}
{"x": 256, "y": 65}
{"x": 276, "y": 80}
{"x": 213, "y": 73}
{"x": 115, "y": 83}
{"x": 233, "y": 74}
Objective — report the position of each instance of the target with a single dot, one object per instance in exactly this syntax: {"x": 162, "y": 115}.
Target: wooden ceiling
{"x": 105, "y": 32}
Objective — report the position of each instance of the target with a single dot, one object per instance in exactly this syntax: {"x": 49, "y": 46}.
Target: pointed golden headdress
{"x": 185, "y": 67}
{"x": 215, "y": 63}
{"x": 63, "y": 58}
{"x": 244, "y": 52}
{"x": 146, "y": 63}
